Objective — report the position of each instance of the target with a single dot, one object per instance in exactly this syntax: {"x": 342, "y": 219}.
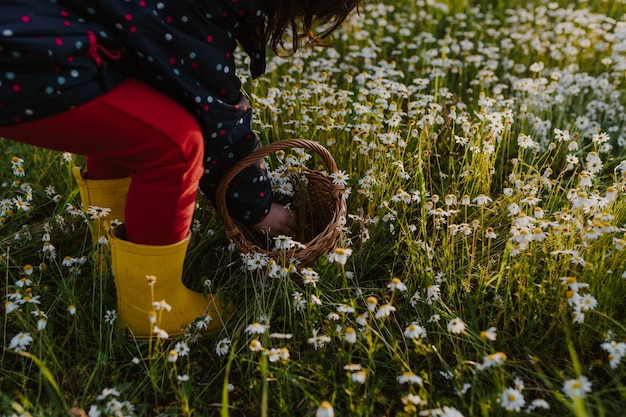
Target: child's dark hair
{"x": 297, "y": 18}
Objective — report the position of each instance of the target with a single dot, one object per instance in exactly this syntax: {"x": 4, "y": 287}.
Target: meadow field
{"x": 482, "y": 265}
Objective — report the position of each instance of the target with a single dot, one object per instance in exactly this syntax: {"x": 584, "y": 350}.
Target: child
{"x": 147, "y": 90}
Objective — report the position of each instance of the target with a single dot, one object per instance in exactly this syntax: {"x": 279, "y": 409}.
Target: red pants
{"x": 132, "y": 130}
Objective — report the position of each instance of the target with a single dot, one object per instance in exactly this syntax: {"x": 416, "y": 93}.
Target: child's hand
{"x": 279, "y": 221}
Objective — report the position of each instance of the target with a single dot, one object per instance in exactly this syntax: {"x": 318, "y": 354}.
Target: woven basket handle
{"x": 260, "y": 153}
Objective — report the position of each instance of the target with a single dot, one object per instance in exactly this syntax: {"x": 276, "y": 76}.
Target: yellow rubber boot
{"x": 109, "y": 194}
{"x": 139, "y": 295}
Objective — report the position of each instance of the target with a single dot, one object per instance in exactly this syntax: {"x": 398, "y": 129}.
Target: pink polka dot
{"x": 142, "y": 3}
{"x": 16, "y": 88}
{"x": 132, "y": 29}
{"x": 128, "y": 17}
{"x": 261, "y": 194}
{"x": 66, "y": 23}
{"x": 172, "y": 61}
{"x": 25, "y": 19}
{"x": 209, "y": 38}
{"x": 58, "y": 41}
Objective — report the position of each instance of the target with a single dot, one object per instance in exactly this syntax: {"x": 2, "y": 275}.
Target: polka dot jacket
{"x": 57, "y": 54}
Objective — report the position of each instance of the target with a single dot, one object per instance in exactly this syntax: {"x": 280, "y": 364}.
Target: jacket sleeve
{"x": 249, "y": 195}
{"x": 225, "y": 116}
{"x": 194, "y": 62}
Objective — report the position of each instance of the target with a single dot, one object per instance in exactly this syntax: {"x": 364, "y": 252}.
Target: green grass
{"x": 425, "y": 108}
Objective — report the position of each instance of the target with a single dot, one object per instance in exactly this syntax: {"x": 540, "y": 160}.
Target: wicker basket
{"x": 319, "y": 204}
